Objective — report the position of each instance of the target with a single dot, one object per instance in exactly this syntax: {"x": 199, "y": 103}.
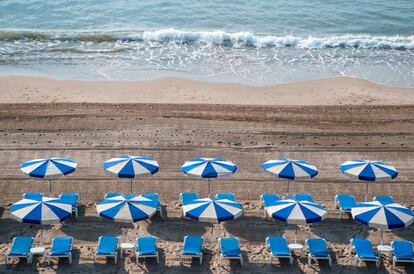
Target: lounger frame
{"x": 290, "y": 257}
{"x": 29, "y": 256}
{"x": 359, "y": 259}
{"x": 316, "y": 258}
{"x": 156, "y": 255}
{"x": 114, "y": 255}
{"x": 69, "y": 255}
{"x": 200, "y": 256}
{"x": 222, "y": 257}
{"x": 395, "y": 260}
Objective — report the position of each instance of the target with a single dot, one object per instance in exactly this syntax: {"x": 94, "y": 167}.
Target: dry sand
{"x": 247, "y": 125}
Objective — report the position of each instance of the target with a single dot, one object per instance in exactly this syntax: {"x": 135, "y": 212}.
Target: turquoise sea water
{"x": 254, "y": 42}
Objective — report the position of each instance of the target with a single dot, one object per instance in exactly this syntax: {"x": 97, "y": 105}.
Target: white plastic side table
{"x": 126, "y": 246}
{"x": 295, "y": 247}
{"x": 39, "y": 250}
{"x": 383, "y": 249}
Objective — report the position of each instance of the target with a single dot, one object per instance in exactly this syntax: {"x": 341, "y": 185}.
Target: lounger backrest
{"x": 229, "y": 246}
{"x": 110, "y": 195}
{"x": 278, "y": 245}
{"x": 152, "y": 196}
{"x": 304, "y": 197}
{"x": 385, "y": 200}
{"x": 228, "y": 196}
{"x": 71, "y": 198}
{"x": 147, "y": 244}
{"x": 346, "y": 201}
{"x": 403, "y": 249}
{"x": 21, "y": 245}
{"x": 193, "y": 244}
{"x": 107, "y": 244}
{"x": 187, "y": 197}
{"x": 269, "y": 199}
{"x": 317, "y": 247}
{"x": 33, "y": 196}
{"x": 363, "y": 247}
{"x": 62, "y": 244}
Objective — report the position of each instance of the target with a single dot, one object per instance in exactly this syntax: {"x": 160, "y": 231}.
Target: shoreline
{"x": 330, "y": 91}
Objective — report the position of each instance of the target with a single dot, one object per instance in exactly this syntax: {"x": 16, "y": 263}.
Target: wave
{"x": 217, "y": 38}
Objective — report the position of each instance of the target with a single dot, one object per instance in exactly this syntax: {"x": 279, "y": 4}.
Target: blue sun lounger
{"x": 402, "y": 252}
{"x": 73, "y": 199}
{"x": 230, "y": 249}
{"x": 268, "y": 200}
{"x": 33, "y": 196}
{"x": 318, "y": 250}
{"x": 228, "y": 196}
{"x": 193, "y": 248}
{"x": 61, "y": 248}
{"x": 186, "y": 197}
{"x": 107, "y": 247}
{"x": 156, "y": 198}
{"x": 146, "y": 247}
{"x": 385, "y": 200}
{"x": 304, "y": 197}
{"x": 345, "y": 203}
{"x": 111, "y": 195}
{"x": 278, "y": 248}
{"x": 20, "y": 248}
{"x": 364, "y": 251}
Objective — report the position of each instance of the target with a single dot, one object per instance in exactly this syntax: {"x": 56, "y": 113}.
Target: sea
{"x": 255, "y": 42}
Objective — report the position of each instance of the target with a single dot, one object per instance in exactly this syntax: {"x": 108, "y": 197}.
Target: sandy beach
{"x": 325, "y": 122}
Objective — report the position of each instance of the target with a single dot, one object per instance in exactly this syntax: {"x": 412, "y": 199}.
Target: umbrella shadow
{"x": 339, "y": 231}
{"x": 404, "y": 233}
{"x": 175, "y": 229}
{"x": 90, "y": 228}
{"x": 10, "y": 228}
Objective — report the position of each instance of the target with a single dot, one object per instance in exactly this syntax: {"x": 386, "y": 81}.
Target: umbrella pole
{"x": 50, "y": 187}
{"x": 131, "y": 185}
{"x": 209, "y": 188}
{"x": 296, "y": 234}
{"x": 366, "y": 193}
{"x": 382, "y": 234}
{"x": 41, "y": 236}
{"x": 287, "y": 192}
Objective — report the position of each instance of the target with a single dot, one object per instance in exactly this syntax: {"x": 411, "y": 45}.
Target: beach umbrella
{"x": 290, "y": 169}
{"x": 41, "y": 211}
{"x": 369, "y": 171}
{"x": 131, "y": 167}
{"x": 127, "y": 208}
{"x": 48, "y": 168}
{"x": 297, "y": 212}
{"x": 208, "y": 168}
{"x": 212, "y": 210}
{"x": 377, "y": 215}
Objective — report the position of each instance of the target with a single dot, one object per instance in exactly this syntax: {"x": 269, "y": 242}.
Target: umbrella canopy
{"x": 369, "y": 171}
{"x": 43, "y": 211}
{"x": 131, "y": 167}
{"x": 212, "y": 210}
{"x": 127, "y": 208}
{"x": 290, "y": 169}
{"x": 389, "y": 216}
{"x": 297, "y": 212}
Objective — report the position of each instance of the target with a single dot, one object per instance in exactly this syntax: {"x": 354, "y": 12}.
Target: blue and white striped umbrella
{"x": 131, "y": 167}
{"x": 50, "y": 168}
{"x": 208, "y": 168}
{"x": 44, "y": 211}
{"x": 127, "y": 208}
{"x": 368, "y": 170}
{"x": 212, "y": 210}
{"x": 389, "y": 216}
{"x": 297, "y": 212}
{"x": 290, "y": 169}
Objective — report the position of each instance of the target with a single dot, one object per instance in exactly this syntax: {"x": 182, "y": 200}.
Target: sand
{"x": 325, "y": 122}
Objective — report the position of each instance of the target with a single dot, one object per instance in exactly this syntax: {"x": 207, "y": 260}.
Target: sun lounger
{"x": 20, "y": 248}
{"x": 268, "y": 200}
{"x": 230, "y": 249}
{"x": 107, "y": 247}
{"x": 73, "y": 199}
{"x": 385, "y": 200}
{"x": 345, "y": 203}
{"x": 33, "y": 196}
{"x": 61, "y": 248}
{"x": 364, "y": 251}
{"x": 318, "y": 250}
{"x": 193, "y": 247}
{"x": 402, "y": 252}
{"x": 227, "y": 196}
{"x": 278, "y": 248}
{"x": 303, "y": 197}
{"x": 186, "y": 197}
{"x": 111, "y": 195}
{"x": 155, "y": 198}
{"x": 147, "y": 248}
